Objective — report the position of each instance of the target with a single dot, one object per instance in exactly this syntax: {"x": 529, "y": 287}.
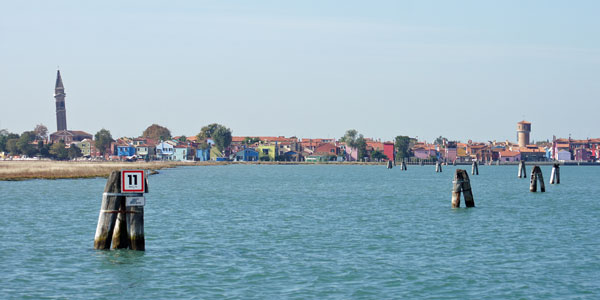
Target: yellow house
{"x": 2, "y": 155}
{"x": 461, "y": 150}
{"x": 267, "y": 152}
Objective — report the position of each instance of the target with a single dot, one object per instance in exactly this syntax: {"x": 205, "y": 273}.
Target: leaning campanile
{"x": 61, "y": 111}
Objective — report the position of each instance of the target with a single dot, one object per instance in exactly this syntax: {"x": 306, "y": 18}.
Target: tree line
{"x": 24, "y": 144}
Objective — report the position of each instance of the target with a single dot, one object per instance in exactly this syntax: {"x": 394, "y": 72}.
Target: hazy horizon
{"x": 463, "y": 70}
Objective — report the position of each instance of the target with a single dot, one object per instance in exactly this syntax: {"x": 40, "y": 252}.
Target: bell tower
{"x": 61, "y": 111}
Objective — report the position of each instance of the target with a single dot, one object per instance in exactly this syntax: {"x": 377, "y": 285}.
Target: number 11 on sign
{"x": 132, "y": 181}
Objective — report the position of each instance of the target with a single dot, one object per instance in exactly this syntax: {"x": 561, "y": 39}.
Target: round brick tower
{"x": 523, "y": 130}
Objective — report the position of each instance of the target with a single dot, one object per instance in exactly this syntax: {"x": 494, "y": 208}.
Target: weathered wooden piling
{"x": 536, "y": 176}
{"x": 474, "y": 168}
{"x": 555, "y": 176}
{"x": 120, "y": 240}
{"x": 119, "y": 223}
{"x": 390, "y": 164}
{"x": 462, "y": 184}
{"x": 107, "y": 219}
{"x": 438, "y": 167}
{"x": 522, "y": 170}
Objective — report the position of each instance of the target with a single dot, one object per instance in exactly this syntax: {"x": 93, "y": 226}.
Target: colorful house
{"x": 267, "y": 152}
{"x": 563, "y": 155}
{"x": 247, "y": 154}
{"x": 450, "y": 151}
{"x": 350, "y": 153}
{"x": 180, "y": 153}
{"x": 582, "y": 154}
{"x": 509, "y": 156}
{"x": 389, "y": 151}
{"x": 203, "y": 154}
{"x": 145, "y": 151}
{"x": 88, "y": 148}
{"x": 327, "y": 149}
{"x": 164, "y": 151}
{"x": 424, "y": 151}
{"x": 125, "y": 150}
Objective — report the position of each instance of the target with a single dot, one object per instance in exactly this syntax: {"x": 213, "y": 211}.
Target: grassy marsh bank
{"x": 24, "y": 170}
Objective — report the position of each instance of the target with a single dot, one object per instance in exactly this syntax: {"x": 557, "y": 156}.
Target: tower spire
{"x": 59, "y": 83}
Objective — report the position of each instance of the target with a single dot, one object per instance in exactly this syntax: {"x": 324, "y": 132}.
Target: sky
{"x": 311, "y": 68}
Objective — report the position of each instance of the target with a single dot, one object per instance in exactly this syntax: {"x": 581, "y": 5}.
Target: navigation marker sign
{"x": 132, "y": 181}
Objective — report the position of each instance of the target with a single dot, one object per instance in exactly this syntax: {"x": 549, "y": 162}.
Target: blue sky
{"x": 460, "y": 69}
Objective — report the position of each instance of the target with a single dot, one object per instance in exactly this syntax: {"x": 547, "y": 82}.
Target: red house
{"x": 388, "y": 150}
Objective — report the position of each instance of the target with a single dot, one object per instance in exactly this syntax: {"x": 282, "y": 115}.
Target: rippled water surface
{"x": 310, "y": 231}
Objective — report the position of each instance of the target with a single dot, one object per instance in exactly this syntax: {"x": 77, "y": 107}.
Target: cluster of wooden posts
{"x": 121, "y": 219}
{"x": 537, "y": 176}
{"x": 461, "y": 182}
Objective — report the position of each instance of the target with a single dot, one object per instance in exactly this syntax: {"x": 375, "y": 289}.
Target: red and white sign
{"x": 132, "y": 181}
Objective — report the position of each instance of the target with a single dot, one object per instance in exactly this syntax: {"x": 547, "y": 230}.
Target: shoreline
{"x": 52, "y": 170}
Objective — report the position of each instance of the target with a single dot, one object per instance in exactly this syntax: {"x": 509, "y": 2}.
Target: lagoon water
{"x": 310, "y": 232}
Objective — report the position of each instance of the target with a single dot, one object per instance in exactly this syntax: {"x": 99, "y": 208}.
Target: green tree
{"x": 74, "y": 152}
{"x": 24, "y": 146}
{"x": 4, "y": 137}
{"x": 377, "y": 155}
{"x": 403, "y": 144}
{"x": 43, "y": 149}
{"x": 361, "y": 147}
{"x": 350, "y": 138}
{"x": 157, "y": 132}
{"x": 357, "y": 141}
{"x": 182, "y": 138}
{"x": 220, "y": 134}
{"x": 103, "y": 139}
{"x": 222, "y": 138}
{"x": 440, "y": 140}
{"x": 251, "y": 140}
{"x": 58, "y": 151}
{"x": 11, "y": 146}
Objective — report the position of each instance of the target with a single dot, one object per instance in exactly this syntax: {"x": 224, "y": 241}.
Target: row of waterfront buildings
{"x": 320, "y": 150}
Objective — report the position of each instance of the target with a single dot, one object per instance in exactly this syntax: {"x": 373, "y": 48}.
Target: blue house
{"x": 125, "y": 150}
{"x": 247, "y": 154}
{"x": 203, "y": 154}
{"x": 180, "y": 153}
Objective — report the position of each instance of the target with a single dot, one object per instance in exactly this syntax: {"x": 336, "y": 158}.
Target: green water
{"x": 310, "y": 232}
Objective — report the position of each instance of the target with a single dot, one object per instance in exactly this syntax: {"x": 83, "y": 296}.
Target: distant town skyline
{"x": 463, "y": 70}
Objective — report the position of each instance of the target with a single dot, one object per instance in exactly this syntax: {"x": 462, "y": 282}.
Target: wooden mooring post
{"x": 438, "y": 167}
{"x": 522, "y": 170}
{"x": 403, "y": 166}
{"x": 121, "y": 218}
{"x": 555, "y": 175}
{"x": 462, "y": 184}
{"x": 474, "y": 168}
{"x": 390, "y": 164}
{"x": 536, "y": 176}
